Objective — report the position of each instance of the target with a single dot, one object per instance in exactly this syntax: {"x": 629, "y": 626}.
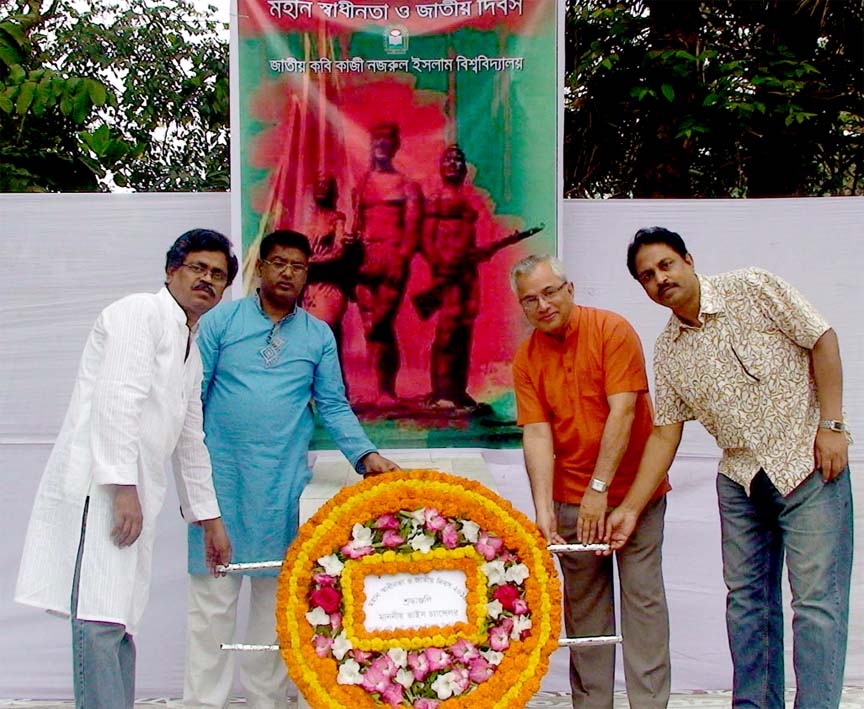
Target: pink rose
{"x": 375, "y": 681}
{"x": 336, "y": 620}
{"x": 387, "y": 521}
{"x": 434, "y": 521}
{"x": 460, "y": 678}
{"x": 479, "y": 670}
{"x": 327, "y": 599}
{"x": 361, "y": 656}
{"x": 438, "y": 658}
{"x": 520, "y": 607}
{"x": 385, "y": 665}
{"x": 393, "y": 695}
{"x": 499, "y": 639}
{"x": 506, "y": 624}
{"x": 355, "y": 552}
{"x": 392, "y": 539}
{"x": 324, "y": 580}
{"x": 450, "y": 536}
{"x": 424, "y": 703}
{"x": 419, "y": 665}
{"x": 322, "y": 645}
{"x": 487, "y": 546}
{"x": 464, "y": 651}
{"x": 506, "y": 595}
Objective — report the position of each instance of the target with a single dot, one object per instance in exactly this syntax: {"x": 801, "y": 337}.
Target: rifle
{"x": 428, "y": 302}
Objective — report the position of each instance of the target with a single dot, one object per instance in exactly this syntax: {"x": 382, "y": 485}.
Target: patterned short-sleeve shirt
{"x": 745, "y": 374}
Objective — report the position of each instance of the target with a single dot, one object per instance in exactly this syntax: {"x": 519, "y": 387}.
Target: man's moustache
{"x": 205, "y": 286}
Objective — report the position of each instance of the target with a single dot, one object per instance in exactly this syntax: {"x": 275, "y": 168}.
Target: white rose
{"x": 471, "y": 530}
{"x": 494, "y": 609}
{"x": 421, "y": 542}
{"x": 341, "y": 645}
{"x": 332, "y": 565}
{"x": 517, "y": 573}
{"x": 349, "y": 673}
{"x": 318, "y": 616}
{"x": 495, "y": 573}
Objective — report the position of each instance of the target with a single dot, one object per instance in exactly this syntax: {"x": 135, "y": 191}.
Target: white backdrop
{"x": 67, "y": 256}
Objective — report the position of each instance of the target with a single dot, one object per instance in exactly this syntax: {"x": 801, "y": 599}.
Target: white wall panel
{"x": 67, "y": 256}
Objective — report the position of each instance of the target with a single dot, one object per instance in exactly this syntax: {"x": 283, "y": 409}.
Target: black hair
{"x": 653, "y": 235}
{"x": 287, "y": 238}
{"x": 201, "y": 240}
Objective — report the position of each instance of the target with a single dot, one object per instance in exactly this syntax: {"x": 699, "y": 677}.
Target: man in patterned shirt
{"x": 749, "y": 357}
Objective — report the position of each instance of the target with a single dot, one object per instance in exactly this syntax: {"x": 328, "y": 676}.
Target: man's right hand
{"x": 547, "y": 523}
{"x": 619, "y": 526}
{"x": 128, "y": 518}
{"x": 217, "y": 546}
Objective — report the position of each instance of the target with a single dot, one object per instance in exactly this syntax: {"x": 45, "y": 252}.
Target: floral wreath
{"x": 417, "y": 522}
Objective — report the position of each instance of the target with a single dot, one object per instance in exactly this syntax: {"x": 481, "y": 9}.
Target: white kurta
{"x": 135, "y": 402}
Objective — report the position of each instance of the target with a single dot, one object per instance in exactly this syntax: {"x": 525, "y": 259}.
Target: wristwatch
{"x": 599, "y": 485}
{"x": 833, "y": 425}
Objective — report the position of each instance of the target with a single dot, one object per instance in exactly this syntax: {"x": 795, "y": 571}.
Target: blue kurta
{"x": 259, "y": 382}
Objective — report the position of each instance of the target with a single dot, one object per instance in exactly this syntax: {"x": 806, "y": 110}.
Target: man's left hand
{"x": 375, "y": 463}
{"x": 592, "y": 514}
{"x": 831, "y": 453}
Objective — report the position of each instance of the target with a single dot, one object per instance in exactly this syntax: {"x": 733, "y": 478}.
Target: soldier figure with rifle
{"x": 449, "y": 245}
{"x": 334, "y": 262}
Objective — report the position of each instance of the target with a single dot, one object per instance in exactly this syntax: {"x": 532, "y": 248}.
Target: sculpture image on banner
{"x": 415, "y": 145}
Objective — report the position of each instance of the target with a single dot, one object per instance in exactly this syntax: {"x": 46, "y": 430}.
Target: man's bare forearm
{"x": 656, "y": 460}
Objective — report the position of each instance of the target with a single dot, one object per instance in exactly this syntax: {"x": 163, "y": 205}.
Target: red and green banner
{"x": 414, "y": 143}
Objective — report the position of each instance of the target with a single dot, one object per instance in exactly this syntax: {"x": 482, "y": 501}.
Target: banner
{"x": 415, "y": 144}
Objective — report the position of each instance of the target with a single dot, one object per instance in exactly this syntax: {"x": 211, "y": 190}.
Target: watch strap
{"x": 834, "y": 425}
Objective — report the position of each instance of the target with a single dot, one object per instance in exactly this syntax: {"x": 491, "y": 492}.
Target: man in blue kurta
{"x": 265, "y": 361}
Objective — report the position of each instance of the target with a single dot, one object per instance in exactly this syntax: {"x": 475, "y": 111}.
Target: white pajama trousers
{"x": 209, "y": 675}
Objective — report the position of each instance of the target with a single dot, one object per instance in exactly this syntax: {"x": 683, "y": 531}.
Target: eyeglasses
{"x": 281, "y": 266}
{"x": 532, "y": 302}
{"x": 217, "y": 275}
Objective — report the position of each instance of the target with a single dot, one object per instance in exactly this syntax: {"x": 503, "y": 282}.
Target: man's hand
{"x": 619, "y": 526}
{"x": 217, "y": 546}
{"x": 831, "y": 453}
{"x": 375, "y": 463}
{"x": 128, "y": 518}
{"x": 547, "y": 523}
{"x": 592, "y": 514}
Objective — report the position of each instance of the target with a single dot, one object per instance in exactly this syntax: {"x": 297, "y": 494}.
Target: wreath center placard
{"x": 418, "y": 589}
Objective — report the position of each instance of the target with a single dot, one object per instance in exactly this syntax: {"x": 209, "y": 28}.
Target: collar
{"x": 173, "y": 307}
{"x": 711, "y": 304}
{"x": 289, "y": 316}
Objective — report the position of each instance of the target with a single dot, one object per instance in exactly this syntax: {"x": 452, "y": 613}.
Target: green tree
{"x": 680, "y": 98}
{"x": 133, "y": 93}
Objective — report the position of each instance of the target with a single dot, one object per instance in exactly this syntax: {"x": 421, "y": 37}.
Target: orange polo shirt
{"x": 566, "y": 384}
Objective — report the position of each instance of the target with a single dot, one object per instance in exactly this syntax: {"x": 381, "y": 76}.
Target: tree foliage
{"x": 134, "y": 93}
{"x": 721, "y": 98}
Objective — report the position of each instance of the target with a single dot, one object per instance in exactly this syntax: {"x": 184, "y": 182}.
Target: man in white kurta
{"x": 136, "y": 401}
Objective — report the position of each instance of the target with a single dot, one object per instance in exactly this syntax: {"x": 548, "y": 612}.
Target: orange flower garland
{"x": 496, "y": 659}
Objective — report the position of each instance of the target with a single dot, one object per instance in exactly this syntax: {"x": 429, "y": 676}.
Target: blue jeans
{"x": 813, "y": 526}
{"x": 103, "y": 655}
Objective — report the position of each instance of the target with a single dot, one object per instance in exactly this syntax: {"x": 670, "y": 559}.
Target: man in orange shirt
{"x": 582, "y": 400}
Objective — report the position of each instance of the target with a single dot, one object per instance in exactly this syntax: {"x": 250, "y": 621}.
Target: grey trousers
{"x": 589, "y": 609}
